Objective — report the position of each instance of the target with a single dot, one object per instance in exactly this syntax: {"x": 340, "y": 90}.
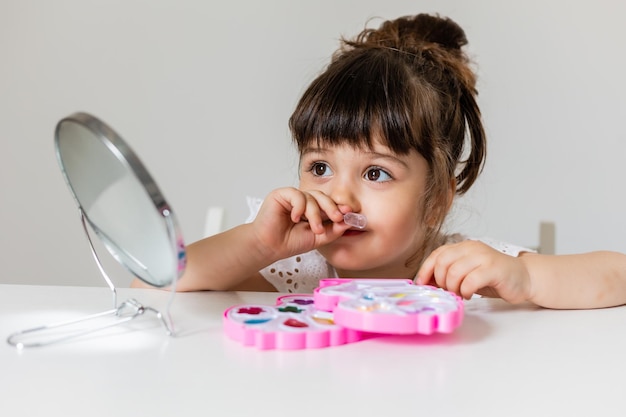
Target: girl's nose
{"x": 345, "y": 195}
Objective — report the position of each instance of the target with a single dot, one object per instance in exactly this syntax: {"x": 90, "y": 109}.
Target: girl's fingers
{"x": 449, "y": 266}
{"x": 462, "y": 270}
{"x": 327, "y": 205}
{"x": 319, "y": 208}
{"x": 313, "y": 214}
{"x": 290, "y": 201}
{"x": 425, "y": 273}
{"x": 313, "y": 208}
{"x": 471, "y": 284}
{"x": 435, "y": 267}
{"x": 298, "y": 206}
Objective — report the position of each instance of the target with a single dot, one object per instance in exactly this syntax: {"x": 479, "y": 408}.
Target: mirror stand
{"x": 132, "y": 305}
{"x": 120, "y": 314}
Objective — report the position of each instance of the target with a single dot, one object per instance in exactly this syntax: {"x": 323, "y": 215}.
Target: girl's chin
{"x": 345, "y": 262}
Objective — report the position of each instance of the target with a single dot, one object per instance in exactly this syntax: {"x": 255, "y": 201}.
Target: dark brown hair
{"x": 410, "y": 83}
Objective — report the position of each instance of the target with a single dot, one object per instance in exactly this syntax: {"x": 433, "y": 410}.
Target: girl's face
{"x": 388, "y": 189}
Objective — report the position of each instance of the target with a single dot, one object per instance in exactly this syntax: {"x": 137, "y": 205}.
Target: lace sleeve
{"x": 298, "y": 274}
{"x": 500, "y": 246}
{"x": 254, "y": 205}
{"x": 504, "y": 247}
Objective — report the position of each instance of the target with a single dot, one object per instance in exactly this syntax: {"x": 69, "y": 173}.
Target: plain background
{"x": 202, "y": 91}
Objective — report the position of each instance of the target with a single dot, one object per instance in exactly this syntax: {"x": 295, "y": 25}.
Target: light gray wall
{"x": 203, "y": 90}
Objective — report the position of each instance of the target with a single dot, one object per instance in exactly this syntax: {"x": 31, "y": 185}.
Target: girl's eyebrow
{"x": 373, "y": 154}
{"x": 313, "y": 150}
{"x": 387, "y": 156}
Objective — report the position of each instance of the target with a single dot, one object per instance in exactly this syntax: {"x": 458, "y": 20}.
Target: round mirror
{"x": 120, "y": 200}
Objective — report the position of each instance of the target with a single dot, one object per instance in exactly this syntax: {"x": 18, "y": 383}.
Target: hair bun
{"x": 435, "y": 29}
{"x": 411, "y": 33}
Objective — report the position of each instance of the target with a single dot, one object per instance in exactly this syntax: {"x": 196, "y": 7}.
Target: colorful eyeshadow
{"x": 303, "y": 302}
{"x": 257, "y": 321}
{"x": 321, "y": 320}
{"x": 295, "y": 323}
{"x": 290, "y": 309}
{"x": 250, "y": 310}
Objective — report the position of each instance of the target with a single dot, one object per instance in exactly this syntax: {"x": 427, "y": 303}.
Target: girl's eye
{"x": 377, "y": 175}
{"x": 320, "y": 169}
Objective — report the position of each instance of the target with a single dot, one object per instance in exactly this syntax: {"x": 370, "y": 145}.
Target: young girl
{"x": 391, "y": 130}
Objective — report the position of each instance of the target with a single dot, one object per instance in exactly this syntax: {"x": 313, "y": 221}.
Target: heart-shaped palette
{"x": 344, "y": 311}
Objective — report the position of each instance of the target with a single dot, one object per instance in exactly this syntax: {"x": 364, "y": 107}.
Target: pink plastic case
{"x": 389, "y": 306}
{"x": 344, "y": 311}
{"x": 294, "y": 323}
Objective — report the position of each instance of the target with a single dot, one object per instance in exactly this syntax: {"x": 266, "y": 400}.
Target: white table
{"x": 503, "y": 361}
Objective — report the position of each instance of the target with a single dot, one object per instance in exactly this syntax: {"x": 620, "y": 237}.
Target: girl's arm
{"x": 590, "y": 280}
{"x": 226, "y": 261}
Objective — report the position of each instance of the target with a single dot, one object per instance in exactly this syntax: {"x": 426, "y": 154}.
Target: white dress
{"x": 302, "y": 273}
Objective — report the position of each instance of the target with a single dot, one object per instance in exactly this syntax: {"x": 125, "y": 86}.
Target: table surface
{"x": 509, "y": 360}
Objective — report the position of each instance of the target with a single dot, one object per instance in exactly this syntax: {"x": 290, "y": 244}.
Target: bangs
{"x": 361, "y": 96}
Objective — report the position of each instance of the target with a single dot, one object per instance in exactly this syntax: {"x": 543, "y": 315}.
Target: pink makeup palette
{"x": 344, "y": 311}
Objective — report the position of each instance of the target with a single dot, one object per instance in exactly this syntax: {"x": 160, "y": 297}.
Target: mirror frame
{"x": 127, "y": 157}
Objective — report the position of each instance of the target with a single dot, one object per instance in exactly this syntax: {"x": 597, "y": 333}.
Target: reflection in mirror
{"x": 117, "y": 199}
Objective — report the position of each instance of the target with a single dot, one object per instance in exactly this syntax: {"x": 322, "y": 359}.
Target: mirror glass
{"x": 120, "y": 200}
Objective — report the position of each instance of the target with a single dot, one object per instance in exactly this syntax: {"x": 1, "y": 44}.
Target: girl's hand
{"x": 472, "y": 267}
{"x": 291, "y": 221}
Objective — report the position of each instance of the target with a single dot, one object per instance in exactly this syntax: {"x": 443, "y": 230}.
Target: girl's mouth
{"x": 352, "y": 232}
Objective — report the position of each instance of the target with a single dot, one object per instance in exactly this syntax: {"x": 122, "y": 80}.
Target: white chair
{"x": 547, "y": 239}
{"x": 214, "y": 221}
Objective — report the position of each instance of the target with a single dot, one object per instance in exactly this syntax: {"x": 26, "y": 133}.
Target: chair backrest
{"x": 547, "y": 238}
{"x": 214, "y": 221}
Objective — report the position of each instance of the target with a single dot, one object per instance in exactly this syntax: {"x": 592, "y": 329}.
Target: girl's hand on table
{"x": 471, "y": 267}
